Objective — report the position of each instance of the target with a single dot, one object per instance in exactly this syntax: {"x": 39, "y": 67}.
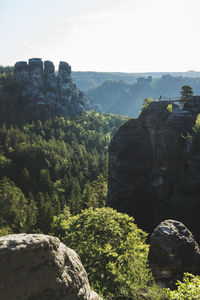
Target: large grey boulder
{"x": 40, "y": 267}
{"x": 173, "y": 251}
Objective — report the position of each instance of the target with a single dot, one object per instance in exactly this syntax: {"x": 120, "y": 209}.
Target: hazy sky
{"x": 103, "y": 35}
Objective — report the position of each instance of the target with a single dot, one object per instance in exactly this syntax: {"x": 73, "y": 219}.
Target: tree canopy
{"x": 56, "y": 163}
{"x": 186, "y": 93}
{"x": 112, "y": 249}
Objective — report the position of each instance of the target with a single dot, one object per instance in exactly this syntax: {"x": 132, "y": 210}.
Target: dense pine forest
{"x": 49, "y": 166}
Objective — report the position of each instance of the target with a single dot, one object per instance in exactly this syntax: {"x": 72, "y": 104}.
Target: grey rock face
{"x": 173, "y": 251}
{"x": 48, "y": 67}
{"x": 21, "y": 66}
{"x": 144, "y": 157}
{"x": 36, "y": 266}
{"x": 127, "y": 173}
{"x": 41, "y": 93}
{"x": 64, "y": 68}
{"x": 193, "y": 106}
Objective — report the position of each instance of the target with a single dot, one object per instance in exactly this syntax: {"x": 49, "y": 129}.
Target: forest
{"x": 48, "y": 166}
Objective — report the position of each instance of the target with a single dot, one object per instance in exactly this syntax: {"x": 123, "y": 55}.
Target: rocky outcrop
{"x": 193, "y": 106}
{"x": 40, "y": 93}
{"x": 149, "y": 158}
{"x": 173, "y": 251}
{"x": 128, "y": 174}
{"x": 36, "y": 266}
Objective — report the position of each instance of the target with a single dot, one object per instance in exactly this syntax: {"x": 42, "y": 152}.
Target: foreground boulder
{"x": 40, "y": 267}
{"x": 173, "y": 251}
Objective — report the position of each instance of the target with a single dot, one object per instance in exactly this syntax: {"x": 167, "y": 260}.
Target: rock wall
{"x": 147, "y": 157}
{"x": 40, "y": 267}
{"x": 40, "y": 93}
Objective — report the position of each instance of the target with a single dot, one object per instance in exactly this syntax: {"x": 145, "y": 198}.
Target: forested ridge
{"x": 51, "y": 165}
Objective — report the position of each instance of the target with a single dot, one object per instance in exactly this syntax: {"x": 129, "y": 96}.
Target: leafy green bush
{"x": 146, "y": 103}
{"x": 169, "y": 108}
{"x": 196, "y": 136}
{"x": 112, "y": 249}
{"x": 188, "y": 289}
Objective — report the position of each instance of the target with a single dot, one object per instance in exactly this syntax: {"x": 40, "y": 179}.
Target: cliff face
{"x": 151, "y": 165}
{"x": 40, "y": 93}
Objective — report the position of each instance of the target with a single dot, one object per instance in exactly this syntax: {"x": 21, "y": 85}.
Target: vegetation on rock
{"x": 188, "y": 289}
{"x": 186, "y": 93}
{"x": 146, "y": 103}
{"x": 112, "y": 249}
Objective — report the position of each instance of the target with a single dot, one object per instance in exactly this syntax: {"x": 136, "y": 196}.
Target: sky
{"x": 103, "y": 35}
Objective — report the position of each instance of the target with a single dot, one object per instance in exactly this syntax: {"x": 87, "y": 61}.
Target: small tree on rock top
{"x": 186, "y": 93}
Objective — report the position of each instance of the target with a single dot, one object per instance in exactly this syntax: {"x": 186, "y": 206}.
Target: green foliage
{"x": 14, "y": 208}
{"x": 146, "y": 103}
{"x": 6, "y": 70}
{"x": 195, "y": 137}
{"x": 188, "y": 289}
{"x": 186, "y": 93}
{"x": 5, "y": 230}
{"x": 112, "y": 249}
{"x": 8, "y": 82}
{"x": 169, "y": 108}
{"x": 59, "y": 162}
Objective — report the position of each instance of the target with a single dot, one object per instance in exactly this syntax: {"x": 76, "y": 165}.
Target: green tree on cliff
{"x": 186, "y": 93}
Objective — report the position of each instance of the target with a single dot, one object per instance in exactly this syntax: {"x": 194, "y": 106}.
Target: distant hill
{"x": 126, "y": 99}
{"x": 88, "y": 80}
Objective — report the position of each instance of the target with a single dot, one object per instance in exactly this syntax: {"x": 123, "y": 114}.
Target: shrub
{"x": 112, "y": 249}
{"x": 169, "y": 108}
{"x": 188, "y": 289}
{"x": 146, "y": 103}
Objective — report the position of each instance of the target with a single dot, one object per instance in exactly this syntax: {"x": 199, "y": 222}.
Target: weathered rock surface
{"x": 173, "y": 251}
{"x": 41, "y": 93}
{"x": 40, "y": 267}
{"x": 193, "y": 106}
{"x": 147, "y": 157}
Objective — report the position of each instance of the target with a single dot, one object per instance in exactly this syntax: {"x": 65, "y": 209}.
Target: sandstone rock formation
{"x": 173, "y": 251}
{"x": 41, "y": 93}
{"x": 36, "y": 266}
{"x": 149, "y": 158}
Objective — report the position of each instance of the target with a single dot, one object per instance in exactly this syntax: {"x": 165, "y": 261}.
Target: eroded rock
{"x": 36, "y": 266}
{"x": 40, "y": 92}
{"x": 173, "y": 251}
{"x": 145, "y": 160}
